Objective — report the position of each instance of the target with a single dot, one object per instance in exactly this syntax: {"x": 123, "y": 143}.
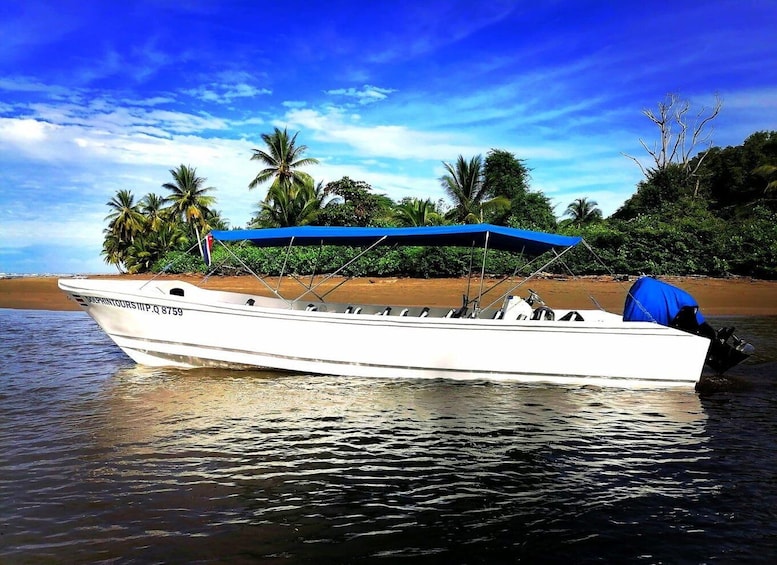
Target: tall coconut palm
{"x": 463, "y": 183}
{"x": 282, "y": 160}
{"x": 583, "y": 211}
{"x": 188, "y": 199}
{"x": 125, "y": 219}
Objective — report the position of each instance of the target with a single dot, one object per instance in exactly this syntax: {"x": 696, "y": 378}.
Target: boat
{"x": 660, "y": 340}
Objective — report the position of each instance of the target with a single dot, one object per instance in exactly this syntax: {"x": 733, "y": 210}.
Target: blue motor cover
{"x": 650, "y": 300}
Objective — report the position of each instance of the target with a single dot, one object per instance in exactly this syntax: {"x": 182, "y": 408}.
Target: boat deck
{"x": 236, "y": 298}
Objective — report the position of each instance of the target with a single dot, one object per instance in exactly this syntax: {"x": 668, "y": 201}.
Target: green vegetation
{"x": 282, "y": 159}
{"x": 711, "y": 213}
{"x": 140, "y": 234}
{"x": 417, "y": 212}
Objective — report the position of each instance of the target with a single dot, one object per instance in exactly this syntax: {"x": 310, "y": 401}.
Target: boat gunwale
{"x": 615, "y": 326}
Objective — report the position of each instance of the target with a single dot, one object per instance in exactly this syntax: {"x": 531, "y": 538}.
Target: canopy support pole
{"x": 334, "y": 274}
{"x": 482, "y": 272}
{"x": 556, "y": 257}
{"x": 160, "y": 273}
{"x": 285, "y": 260}
{"x": 257, "y": 277}
{"x": 508, "y": 277}
{"x": 628, "y": 290}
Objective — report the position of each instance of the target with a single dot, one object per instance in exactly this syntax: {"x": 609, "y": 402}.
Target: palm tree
{"x": 215, "y": 221}
{"x": 282, "y": 159}
{"x": 114, "y": 252}
{"x": 126, "y": 220}
{"x": 150, "y": 246}
{"x": 140, "y": 256}
{"x": 417, "y": 212}
{"x": 170, "y": 236}
{"x": 291, "y": 204}
{"x": 152, "y": 208}
{"x": 188, "y": 199}
{"x": 583, "y": 211}
{"x": 464, "y": 185}
{"x": 126, "y": 223}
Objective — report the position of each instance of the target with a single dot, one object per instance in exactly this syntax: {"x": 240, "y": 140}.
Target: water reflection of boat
{"x": 172, "y": 323}
{"x": 217, "y": 406}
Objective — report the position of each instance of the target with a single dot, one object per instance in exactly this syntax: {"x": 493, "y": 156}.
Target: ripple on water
{"x": 105, "y": 460}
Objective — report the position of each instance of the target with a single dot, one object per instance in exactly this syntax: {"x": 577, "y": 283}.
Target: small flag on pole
{"x": 205, "y": 246}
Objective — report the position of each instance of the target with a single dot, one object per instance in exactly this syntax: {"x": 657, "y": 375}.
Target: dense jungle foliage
{"x": 721, "y": 220}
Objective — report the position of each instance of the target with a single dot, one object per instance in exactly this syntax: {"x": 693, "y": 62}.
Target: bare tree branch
{"x": 640, "y": 165}
{"x": 681, "y": 108}
{"x": 679, "y": 139}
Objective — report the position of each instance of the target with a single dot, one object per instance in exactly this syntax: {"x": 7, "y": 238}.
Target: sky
{"x": 99, "y": 96}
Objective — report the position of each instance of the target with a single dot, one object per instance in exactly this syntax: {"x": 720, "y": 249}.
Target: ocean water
{"x": 104, "y": 461}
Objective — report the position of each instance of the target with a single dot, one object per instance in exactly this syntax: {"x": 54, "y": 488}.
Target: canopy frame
{"x": 522, "y": 242}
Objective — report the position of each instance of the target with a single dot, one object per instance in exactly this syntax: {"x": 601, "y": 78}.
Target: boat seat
{"x": 571, "y": 316}
{"x": 543, "y": 313}
{"x": 451, "y": 313}
{"x": 499, "y": 314}
{"x": 386, "y": 311}
{"x": 461, "y": 312}
{"x": 404, "y": 312}
{"x": 424, "y": 313}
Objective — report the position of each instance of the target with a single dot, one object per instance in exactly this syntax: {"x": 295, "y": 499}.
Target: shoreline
{"x": 721, "y": 297}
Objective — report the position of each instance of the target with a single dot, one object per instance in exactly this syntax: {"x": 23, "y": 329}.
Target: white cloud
{"x": 93, "y": 154}
{"x": 368, "y": 94}
{"x": 381, "y": 141}
{"x": 24, "y": 131}
{"x": 109, "y": 116}
{"x": 225, "y": 93}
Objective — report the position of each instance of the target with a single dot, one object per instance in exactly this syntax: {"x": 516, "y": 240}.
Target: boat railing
{"x": 393, "y": 311}
{"x": 541, "y": 314}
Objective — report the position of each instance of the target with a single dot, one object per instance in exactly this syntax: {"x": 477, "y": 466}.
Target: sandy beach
{"x": 720, "y": 297}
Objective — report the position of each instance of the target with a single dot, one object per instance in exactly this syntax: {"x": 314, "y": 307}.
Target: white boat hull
{"x": 213, "y": 328}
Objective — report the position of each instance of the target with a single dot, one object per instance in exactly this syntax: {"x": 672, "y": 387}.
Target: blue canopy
{"x": 499, "y": 237}
{"x": 651, "y": 300}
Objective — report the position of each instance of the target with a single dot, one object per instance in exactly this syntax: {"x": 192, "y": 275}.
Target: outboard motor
{"x": 651, "y": 300}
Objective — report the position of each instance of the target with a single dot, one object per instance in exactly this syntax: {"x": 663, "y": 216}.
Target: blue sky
{"x": 101, "y": 96}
